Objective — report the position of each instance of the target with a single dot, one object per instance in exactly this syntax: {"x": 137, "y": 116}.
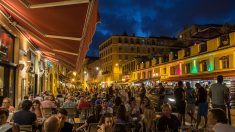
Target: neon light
{"x": 194, "y": 67}
{"x": 210, "y": 67}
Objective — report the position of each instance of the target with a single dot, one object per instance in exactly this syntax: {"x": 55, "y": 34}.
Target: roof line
{"x": 52, "y": 4}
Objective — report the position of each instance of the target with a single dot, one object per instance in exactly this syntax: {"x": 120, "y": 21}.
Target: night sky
{"x": 157, "y": 17}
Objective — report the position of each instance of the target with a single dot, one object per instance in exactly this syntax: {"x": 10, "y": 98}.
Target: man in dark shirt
{"x": 168, "y": 121}
{"x": 202, "y": 104}
{"x": 24, "y": 116}
{"x": 161, "y": 95}
{"x": 180, "y": 102}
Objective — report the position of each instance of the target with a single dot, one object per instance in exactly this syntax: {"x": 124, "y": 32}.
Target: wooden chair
{"x": 25, "y": 128}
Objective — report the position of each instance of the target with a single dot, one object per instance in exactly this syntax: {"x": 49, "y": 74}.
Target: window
{"x": 137, "y": 41}
{"x": 173, "y": 70}
{"x": 132, "y": 41}
{"x": 126, "y": 57}
{"x": 225, "y": 62}
{"x": 204, "y": 65}
{"x": 149, "y": 50}
{"x": 126, "y": 40}
{"x": 187, "y": 52}
{"x": 119, "y": 40}
{"x": 187, "y": 68}
{"x": 224, "y": 40}
{"x": 203, "y": 47}
{"x": 153, "y": 42}
{"x": 164, "y": 70}
{"x": 149, "y": 74}
{"x": 120, "y": 48}
{"x": 120, "y": 57}
{"x": 175, "y": 56}
{"x": 143, "y": 75}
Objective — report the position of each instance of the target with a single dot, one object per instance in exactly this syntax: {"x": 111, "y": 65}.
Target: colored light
{"x": 194, "y": 67}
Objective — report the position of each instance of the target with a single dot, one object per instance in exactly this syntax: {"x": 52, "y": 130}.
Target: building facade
{"x": 203, "y": 61}
{"x": 117, "y": 50}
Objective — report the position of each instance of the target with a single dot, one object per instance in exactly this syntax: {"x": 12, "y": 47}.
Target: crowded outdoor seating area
{"x": 112, "y": 109}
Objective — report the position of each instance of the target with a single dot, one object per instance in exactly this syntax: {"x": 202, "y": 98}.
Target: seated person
{"x": 37, "y": 109}
{"x": 25, "y": 116}
{"x": 52, "y": 124}
{"x": 4, "y": 126}
{"x": 6, "y": 104}
{"x": 47, "y": 103}
{"x": 106, "y": 108}
{"x": 83, "y": 104}
{"x": 106, "y": 123}
{"x": 69, "y": 103}
{"x": 168, "y": 121}
{"x": 92, "y": 119}
{"x": 218, "y": 120}
{"x": 64, "y": 125}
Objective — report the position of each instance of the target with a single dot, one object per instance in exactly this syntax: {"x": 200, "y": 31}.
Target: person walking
{"x": 191, "y": 100}
{"x": 219, "y": 94}
{"x": 161, "y": 95}
{"x": 202, "y": 104}
{"x": 180, "y": 102}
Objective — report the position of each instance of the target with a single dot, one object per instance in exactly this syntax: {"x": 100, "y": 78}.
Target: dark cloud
{"x": 157, "y": 17}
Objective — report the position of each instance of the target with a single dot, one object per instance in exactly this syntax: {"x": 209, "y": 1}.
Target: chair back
{"x": 25, "y": 128}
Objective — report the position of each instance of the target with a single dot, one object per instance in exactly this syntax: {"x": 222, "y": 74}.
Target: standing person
{"x": 161, "y": 95}
{"x": 191, "y": 100}
{"x": 219, "y": 94}
{"x": 142, "y": 93}
{"x": 202, "y": 104}
{"x": 180, "y": 102}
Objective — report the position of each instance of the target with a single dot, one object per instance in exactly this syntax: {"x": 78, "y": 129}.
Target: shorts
{"x": 180, "y": 106}
{"x": 190, "y": 107}
{"x": 202, "y": 109}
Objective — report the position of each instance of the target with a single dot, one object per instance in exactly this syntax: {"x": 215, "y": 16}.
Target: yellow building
{"x": 201, "y": 61}
{"x": 117, "y": 50}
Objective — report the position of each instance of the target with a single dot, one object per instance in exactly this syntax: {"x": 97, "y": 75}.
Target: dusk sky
{"x": 157, "y": 17}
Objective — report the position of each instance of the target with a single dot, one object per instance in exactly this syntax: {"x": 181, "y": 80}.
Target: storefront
{"x": 7, "y": 67}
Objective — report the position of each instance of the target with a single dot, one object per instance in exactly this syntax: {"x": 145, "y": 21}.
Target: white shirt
{"x": 219, "y": 127}
{"x": 218, "y": 91}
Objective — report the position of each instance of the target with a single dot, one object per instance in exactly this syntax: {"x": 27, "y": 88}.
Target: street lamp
{"x": 116, "y": 64}
{"x": 97, "y": 68}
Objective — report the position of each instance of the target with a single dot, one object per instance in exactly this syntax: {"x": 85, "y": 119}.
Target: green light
{"x": 210, "y": 67}
{"x": 194, "y": 67}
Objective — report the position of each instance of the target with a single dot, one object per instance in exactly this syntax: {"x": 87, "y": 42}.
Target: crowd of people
{"x": 119, "y": 110}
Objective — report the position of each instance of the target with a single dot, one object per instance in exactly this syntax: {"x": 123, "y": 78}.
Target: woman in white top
{"x": 218, "y": 120}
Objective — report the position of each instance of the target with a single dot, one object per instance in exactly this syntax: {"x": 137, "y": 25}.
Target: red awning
{"x": 62, "y": 29}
